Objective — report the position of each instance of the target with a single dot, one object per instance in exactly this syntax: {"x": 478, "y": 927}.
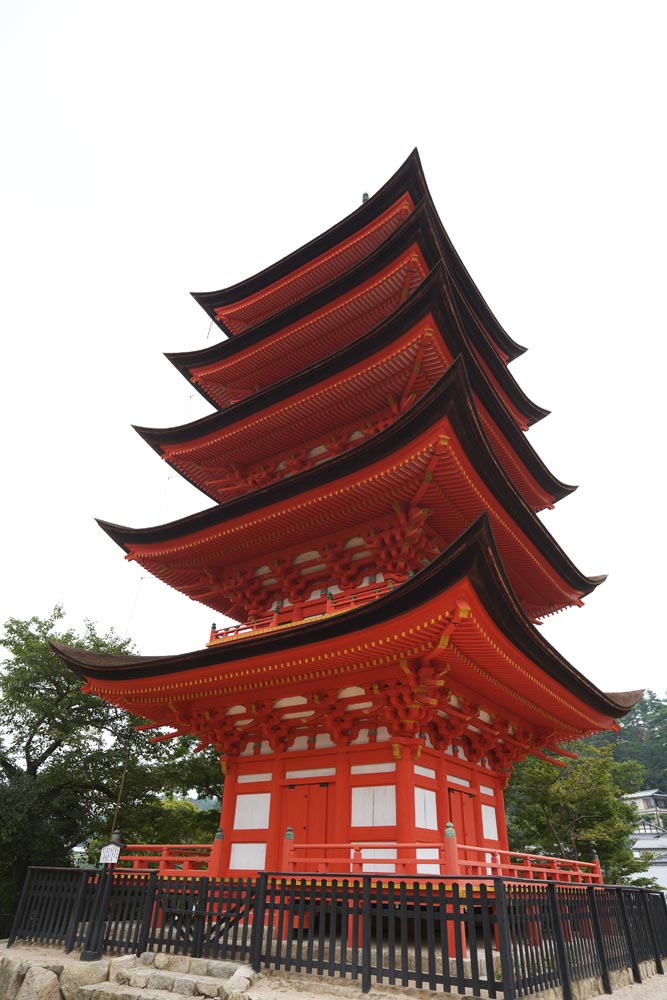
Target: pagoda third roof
{"x": 257, "y": 352}
{"x": 430, "y": 302}
{"x": 447, "y": 402}
{"x": 329, "y": 254}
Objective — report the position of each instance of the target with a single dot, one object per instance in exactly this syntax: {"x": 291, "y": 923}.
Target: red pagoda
{"x": 375, "y": 534}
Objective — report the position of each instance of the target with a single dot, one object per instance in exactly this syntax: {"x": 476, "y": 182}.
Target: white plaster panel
{"x": 489, "y": 822}
{"x": 458, "y": 781}
{"x": 485, "y": 790}
{"x": 374, "y": 805}
{"x": 246, "y": 779}
{"x": 426, "y": 772}
{"x": 313, "y": 772}
{"x": 373, "y": 768}
{"x": 428, "y": 852}
{"x": 248, "y": 856}
{"x": 426, "y": 815}
{"x": 252, "y": 811}
{"x": 379, "y": 852}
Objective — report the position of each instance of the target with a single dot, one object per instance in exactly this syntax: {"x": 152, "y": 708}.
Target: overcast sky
{"x": 154, "y": 148}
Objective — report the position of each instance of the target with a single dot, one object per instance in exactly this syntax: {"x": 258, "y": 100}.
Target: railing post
{"x": 598, "y": 937}
{"x": 557, "y": 924}
{"x": 19, "y": 915}
{"x": 636, "y": 974}
{"x": 77, "y": 910}
{"x": 504, "y": 942}
{"x": 94, "y": 943}
{"x": 651, "y": 929}
{"x": 451, "y": 851}
{"x": 366, "y": 935}
{"x": 147, "y": 914}
{"x": 598, "y": 869}
{"x": 288, "y": 861}
{"x": 257, "y": 933}
{"x": 215, "y": 858}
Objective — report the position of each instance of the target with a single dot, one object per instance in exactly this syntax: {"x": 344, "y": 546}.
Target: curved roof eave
{"x": 450, "y": 397}
{"x": 421, "y": 225}
{"x": 431, "y": 296}
{"x": 474, "y": 555}
{"x": 409, "y": 177}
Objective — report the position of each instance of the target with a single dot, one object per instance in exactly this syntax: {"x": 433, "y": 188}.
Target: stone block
{"x": 178, "y": 963}
{"x": 12, "y": 973}
{"x": 199, "y": 967}
{"x": 78, "y": 974}
{"x": 39, "y": 984}
{"x": 207, "y": 988}
{"x": 121, "y": 965}
{"x": 160, "y": 981}
{"x": 219, "y": 968}
{"x": 184, "y": 986}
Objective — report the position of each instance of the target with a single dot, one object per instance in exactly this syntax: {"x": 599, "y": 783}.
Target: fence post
{"x": 598, "y": 937}
{"x": 94, "y": 943}
{"x": 146, "y": 916}
{"x": 637, "y": 976}
{"x": 557, "y": 923}
{"x": 257, "y": 933}
{"x": 366, "y": 935}
{"x": 77, "y": 910}
{"x": 504, "y": 943}
{"x": 651, "y": 929}
{"x": 19, "y": 915}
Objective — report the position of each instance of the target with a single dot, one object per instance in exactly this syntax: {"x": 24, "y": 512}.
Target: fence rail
{"x": 508, "y": 937}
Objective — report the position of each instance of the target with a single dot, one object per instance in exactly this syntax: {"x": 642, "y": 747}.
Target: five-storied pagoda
{"x": 375, "y": 532}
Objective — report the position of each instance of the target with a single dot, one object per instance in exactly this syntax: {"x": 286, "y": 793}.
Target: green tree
{"x": 574, "y": 811}
{"x": 67, "y": 758}
{"x": 643, "y": 738}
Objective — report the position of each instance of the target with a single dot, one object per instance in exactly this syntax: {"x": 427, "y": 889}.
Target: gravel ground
{"x": 304, "y": 987}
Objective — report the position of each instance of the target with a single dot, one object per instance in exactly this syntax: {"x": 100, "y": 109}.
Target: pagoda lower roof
{"x": 345, "y": 310}
{"x": 230, "y": 451}
{"x": 456, "y": 628}
{"x": 255, "y": 299}
{"x": 434, "y": 457}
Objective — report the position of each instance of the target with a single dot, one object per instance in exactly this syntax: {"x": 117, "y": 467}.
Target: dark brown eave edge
{"x": 450, "y": 397}
{"x": 420, "y": 226}
{"x": 431, "y": 296}
{"x": 473, "y": 555}
{"x": 410, "y": 178}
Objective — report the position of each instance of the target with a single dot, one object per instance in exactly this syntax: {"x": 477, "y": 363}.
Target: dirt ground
{"x": 270, "y": 987}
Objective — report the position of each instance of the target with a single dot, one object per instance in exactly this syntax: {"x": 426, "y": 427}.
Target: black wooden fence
{"x": 502, "y": 936}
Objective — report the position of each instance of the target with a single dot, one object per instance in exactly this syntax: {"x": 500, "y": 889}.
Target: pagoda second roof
{"x": 460, "y": 613}
{"x": 309, "y": 330}
{"x": 436, "y": 452}
{"x": 279, "y": 416}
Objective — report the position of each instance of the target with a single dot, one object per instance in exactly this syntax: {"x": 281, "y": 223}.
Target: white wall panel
{"x": 250, "y": 856}
{"x": 252, "y": 811}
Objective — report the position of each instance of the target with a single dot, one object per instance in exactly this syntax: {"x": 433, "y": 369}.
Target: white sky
{"x": 153, "y": 148}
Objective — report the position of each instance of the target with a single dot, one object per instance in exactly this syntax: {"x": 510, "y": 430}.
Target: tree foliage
{"x": 643, "y": 738}
{"x": 65, "y": 755}
{"x": 574, "y": 811}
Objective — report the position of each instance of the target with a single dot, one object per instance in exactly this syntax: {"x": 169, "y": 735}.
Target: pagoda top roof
{"x": 327, "y": 256}
{"x": 430, "y": 302}
{"x": 395, "y": 619}
{"x": 447, "y": 405}
{"x": 254, "y": 351}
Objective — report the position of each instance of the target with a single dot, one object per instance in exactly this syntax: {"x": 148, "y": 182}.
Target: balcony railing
{"x": 405, "y": 859}
{"x": 294, "y": 614}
